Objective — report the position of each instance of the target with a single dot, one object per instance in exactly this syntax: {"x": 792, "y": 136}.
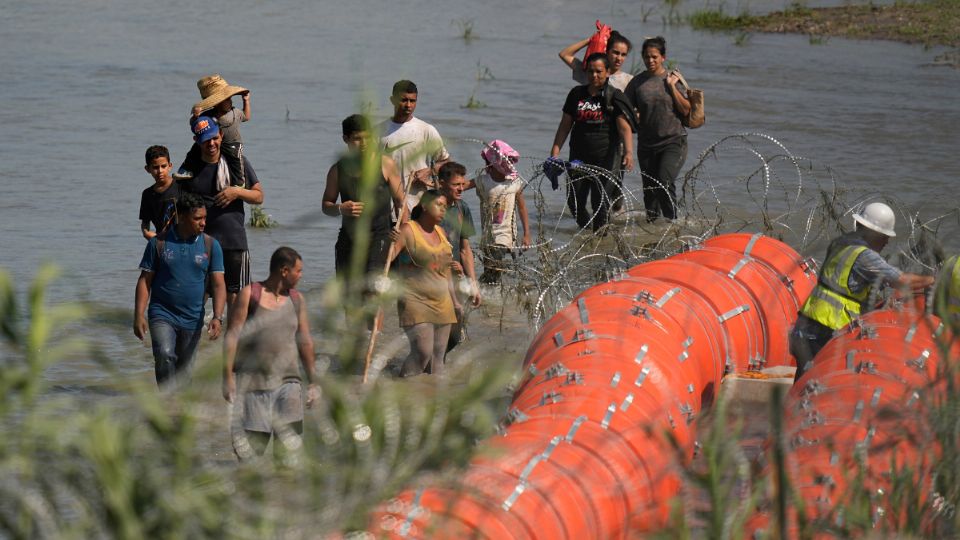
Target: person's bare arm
{"x": 524, "y": 219}
{"x": 219, "y": 301}
{"x": 141, "y": 297}
{"x": 466, "y": 257}
{"x": 566, "y": 123}
{"x": 331, "y": 192}
{"x": 246, "y": 106}
{"x": 305, "y": 346}
{"x": 915, "y": 282}
{"x": 251, "y": 195}
{"x": 680, "y": 101}
{"x": 238, "y": 316}
{"x": 626, "y": 135}
{"x": 392, "y": 175}
{"x": 568, "y": 54}
{"x": 145, "y": 229}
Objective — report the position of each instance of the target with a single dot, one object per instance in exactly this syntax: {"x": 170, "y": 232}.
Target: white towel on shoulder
{"x": 223, "y": 175}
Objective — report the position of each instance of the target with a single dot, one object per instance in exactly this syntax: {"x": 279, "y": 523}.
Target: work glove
{"x": 553, "y": 167}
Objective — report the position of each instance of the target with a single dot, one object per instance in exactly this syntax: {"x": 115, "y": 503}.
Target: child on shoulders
{"x": 217, "y": 101}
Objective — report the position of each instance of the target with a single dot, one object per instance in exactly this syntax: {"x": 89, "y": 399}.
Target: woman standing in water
{"x": 428, "y": 303}
{"x": 618, "y": 47}
{"x": 597, "y": 114}
{"x": 660, "y": 102}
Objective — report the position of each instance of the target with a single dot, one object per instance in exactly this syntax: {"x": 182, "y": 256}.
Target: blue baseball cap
{"x": 204, "y": 128}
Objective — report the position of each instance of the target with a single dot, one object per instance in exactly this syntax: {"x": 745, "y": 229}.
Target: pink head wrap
{"x": 501, "y": 156}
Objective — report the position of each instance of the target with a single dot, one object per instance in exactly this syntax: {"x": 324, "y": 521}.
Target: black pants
{"x": 660, "y": 168}
{"x": 600, "y": 184}
{"x": 806, "y": 339}
{"x": 232, "y": 152}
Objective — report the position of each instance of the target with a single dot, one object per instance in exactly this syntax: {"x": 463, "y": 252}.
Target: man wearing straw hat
{"x": 224, "y": 196}
{"x": 217, "y": 102}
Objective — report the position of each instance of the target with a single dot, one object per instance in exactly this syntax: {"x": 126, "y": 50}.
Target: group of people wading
{"x": 401, "y": 202}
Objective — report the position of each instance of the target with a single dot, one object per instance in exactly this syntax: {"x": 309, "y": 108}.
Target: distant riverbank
{"x": 931, "y": 23}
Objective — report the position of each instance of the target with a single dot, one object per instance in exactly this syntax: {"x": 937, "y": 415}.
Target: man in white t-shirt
{"x": 413, "y": 144}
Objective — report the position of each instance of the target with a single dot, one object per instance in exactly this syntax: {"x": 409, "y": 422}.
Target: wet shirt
{"x": 414, "y": 145}
{"x": 593, "y": 137}
{"x": 179, "y": 278}
{"x": 224, "y": 224}
{"x": 349, "y": 175}
{"x": 268, "y": 353}
{"x": 659, "y": 120}
{"x": 458, "y": 225}
{"x": 157, "y": 208}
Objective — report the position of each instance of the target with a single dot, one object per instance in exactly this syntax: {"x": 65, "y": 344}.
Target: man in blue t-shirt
{"x": 174, "y": 273}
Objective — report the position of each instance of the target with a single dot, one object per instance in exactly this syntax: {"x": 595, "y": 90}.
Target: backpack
{"x": 256, "y": 290}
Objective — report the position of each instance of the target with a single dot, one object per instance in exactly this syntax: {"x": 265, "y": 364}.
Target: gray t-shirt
{"x": 659, "y": 120}
{"x": 230, "y": 126}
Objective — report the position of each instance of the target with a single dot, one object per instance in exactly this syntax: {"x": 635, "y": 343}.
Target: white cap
{"x": 877, "y": 217}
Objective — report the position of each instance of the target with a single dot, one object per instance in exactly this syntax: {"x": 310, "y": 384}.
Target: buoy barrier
{"x": 858, "y": 418}
{"x": 612, "y": 385}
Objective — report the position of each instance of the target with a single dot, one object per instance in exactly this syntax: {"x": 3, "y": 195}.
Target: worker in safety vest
{"x": 852, "y": 267}
{"x": 946, "y": 296}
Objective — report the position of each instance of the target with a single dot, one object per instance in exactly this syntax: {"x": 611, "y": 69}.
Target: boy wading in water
{"x": 157, "y": 201}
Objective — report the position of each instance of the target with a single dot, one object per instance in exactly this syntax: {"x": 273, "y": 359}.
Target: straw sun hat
{"x": 214, "y": 89}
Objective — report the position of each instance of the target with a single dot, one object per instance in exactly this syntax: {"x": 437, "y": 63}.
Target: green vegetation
{"x": 932, "y": 22}
{"x": 473, "y": 103}
{"x": 259, "y": 219}
{"x": 484, "y": 73}
{"x": 140, "y": 464}
{"x": 465, "y": 24}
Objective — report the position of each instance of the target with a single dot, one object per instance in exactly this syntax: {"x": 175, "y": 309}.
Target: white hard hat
{"x": 878, "y": 217}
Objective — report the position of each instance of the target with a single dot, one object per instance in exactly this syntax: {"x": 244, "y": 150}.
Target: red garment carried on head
{"x": 598, "y": 43}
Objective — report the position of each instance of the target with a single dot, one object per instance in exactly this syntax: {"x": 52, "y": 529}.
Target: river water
{"x": 86, "y": 86}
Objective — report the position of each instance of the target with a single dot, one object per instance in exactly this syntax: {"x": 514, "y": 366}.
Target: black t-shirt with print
{"x": 594, "y": 135}
{"x": 157, "y": 208}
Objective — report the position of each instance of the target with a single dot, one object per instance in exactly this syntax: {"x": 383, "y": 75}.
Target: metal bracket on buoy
{"x": 687, "y": 410}
{"x": 551, "y": 397}
{"x": 920, "y": 362}
{"x": 573, "y": 378}
{"x": 554, "y": 371}
{"x": 644, "y": 296}
{"x": 850, "y": 355}
{"x": 641, "y": 353}
{"x": 583, "y": 334}
{"x": 626, "y": 402}
{"x": 574, "y": 427}
{"x": 605, "y": 423}
{"x": 811, "y": 419}
{"x": 914, "y": 397}
{"x": 733, "y": 313}
{"x": 751, "y": 243}
{"x": 910, "y": 333}
{"x": 615, "y": 380}
{"x": 584, "y": 314}
{"x": 868, "y": 367}
{"x": 739, "y": 266}
{"x": 639, "y": 311}
{"x": 875, "y": 399}
{"x": 858, "y": 411}
{"x": 415, "y": 510}
{"x": 667, "y": 296}
{"x": 558, "y": 339}
{"x": 643, "y": 375}
{"x": 513, "y": 416}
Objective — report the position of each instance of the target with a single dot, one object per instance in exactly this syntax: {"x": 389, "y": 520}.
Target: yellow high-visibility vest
{"x": 832, "y": 303}
{"x": 947, "y": 293}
